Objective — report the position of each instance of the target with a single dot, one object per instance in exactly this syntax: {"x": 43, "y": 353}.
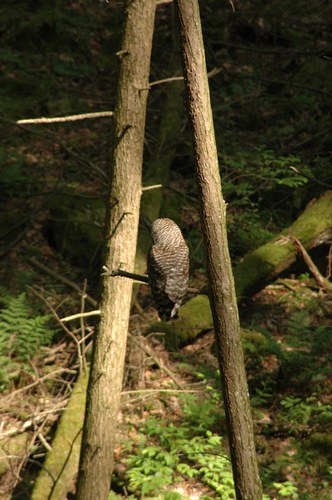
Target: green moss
{"x": 62, "y": 460}
{"x": 14, "y": 446}
{"x": 266, "y": 262}
{"x": 194, "y": 317}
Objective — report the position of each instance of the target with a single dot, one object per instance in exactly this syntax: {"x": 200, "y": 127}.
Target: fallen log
{"x": 266, "y": 263}
{"x": 58, "y": 474}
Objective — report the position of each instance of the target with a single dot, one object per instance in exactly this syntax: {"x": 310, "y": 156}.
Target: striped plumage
{"x": 168, "y": 267}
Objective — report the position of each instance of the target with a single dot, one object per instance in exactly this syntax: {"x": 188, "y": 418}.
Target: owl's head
{"x": 165, "y": 232}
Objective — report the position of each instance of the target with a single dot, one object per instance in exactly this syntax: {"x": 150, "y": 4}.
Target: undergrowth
{"x": 22, "y": 333}
{"x": 168, "y": 452}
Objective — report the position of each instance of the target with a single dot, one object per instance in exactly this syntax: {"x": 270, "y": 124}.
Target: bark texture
{"x": 222, "y": 289}
{"x": 105, "y": 383}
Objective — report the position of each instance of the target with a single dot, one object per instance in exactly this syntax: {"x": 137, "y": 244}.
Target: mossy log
{"x": 263, "y": 265}
{"x": 256, "y": 270}
{"x": 57, "y": 477}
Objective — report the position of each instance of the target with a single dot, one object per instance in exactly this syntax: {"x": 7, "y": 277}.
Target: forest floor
{"x": 172, "y": 413}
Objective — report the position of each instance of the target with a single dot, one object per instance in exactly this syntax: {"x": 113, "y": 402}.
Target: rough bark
{"x": 106, "y": 375}
{"x": 221, "y": 282}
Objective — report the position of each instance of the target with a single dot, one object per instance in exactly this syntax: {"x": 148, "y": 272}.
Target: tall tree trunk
{"x": 222, "y": 289}
{"x": 105, "y": 383}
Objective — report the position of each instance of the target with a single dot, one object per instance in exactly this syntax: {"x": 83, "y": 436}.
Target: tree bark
{"x": 106, "y": 375}
{"x": 221, "y": 282}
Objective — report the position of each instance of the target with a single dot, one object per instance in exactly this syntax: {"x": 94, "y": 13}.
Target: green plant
{"x": 168, "y": 451}
{"x": 22, "y": 333}
{"x": 287, "y": 489}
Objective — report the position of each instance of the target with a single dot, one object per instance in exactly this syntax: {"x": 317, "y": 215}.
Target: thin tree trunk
{"x": 221, "y": 282}
{"x": 105, "y": 383}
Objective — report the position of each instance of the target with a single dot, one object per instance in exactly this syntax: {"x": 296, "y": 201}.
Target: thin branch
{"x": 83, "y": 337}
{"x": 61, "y": 119}
{"x": 278, "y": 82}
{"x": 31, "y": 422}
{"x": 282, "y": 52}
{"x": 61, "y": 278}
{"x": 147, "y": 188}
{"x": 147, "y": 391}
{"x": 210, "y": 74}
{"x": 320, "y": 280}
{"x": 124, "y": 274}
{"x": 51, "y": 136}
{"x": 81, "y": 315}
{"x": 44, "y": 442}
{"x": 156, "y": 360}
{"x": 311, "y": 178}
{"x": 165, "y": 80}
{"x": 144, "y": 279}
{"x": 65, "y": 328}
{"x": 37, "y": 382}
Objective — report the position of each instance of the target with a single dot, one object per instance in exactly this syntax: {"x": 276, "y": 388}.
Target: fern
{"x": 21, "y": 335}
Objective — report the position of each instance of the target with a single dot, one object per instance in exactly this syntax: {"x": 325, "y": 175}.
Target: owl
{"x": 168, "y": 267}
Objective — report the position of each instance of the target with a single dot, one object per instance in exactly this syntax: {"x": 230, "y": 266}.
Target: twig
{"x": 124, "y": 274}
{"x": 96, "y": 312}
{"x": 37, "y": 382}
{"x": 44, "y": 442}
{"x": 65, "y": 328}
{"x": 144, "y": 279}
{"x": 147, "y": 188}
{"x": 320, "y": 280}
{"x": 156, "y": 360}
{"x": 61, "y": 119}
{"x": 30, "y": 422}
{"x": 54, "y": 138}
{"x": 144, "y": 391}
{"x": 210, "y": 74}
{"x": 61, "y": 278}
{"x": 82, "y": 343}
{"x": 310, "y": 178}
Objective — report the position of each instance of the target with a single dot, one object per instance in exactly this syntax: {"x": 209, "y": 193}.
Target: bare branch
{"x": 61, "y": 119}
{"x": 320, "y": 280}
{"x": 61, "y": 278}
{"x": 156, "y": 360}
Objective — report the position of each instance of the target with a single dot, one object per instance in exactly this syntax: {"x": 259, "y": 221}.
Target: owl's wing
{"x": 177, "y": 276}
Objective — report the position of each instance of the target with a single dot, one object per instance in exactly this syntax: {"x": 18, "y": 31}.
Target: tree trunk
{"x": 221, "y": 282}
{"x": 105, "y": 382}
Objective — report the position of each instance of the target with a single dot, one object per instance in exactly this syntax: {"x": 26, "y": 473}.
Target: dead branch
{"x": 96, "y": 312}
{"x": 14, "y": 394}
{"x": 61, "y": 119}
{"x": 61, "y": 278}
{"x": 320, "y": 280}
{"x": 158, "y": 362}
{"x": 31, "y": 421}
{"x": 310, "y": 177}
{"x": 80, "y": 349}
{"x": 144, "y": 279}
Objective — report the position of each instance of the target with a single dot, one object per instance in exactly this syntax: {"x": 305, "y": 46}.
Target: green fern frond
{"x": 22, "y": 333}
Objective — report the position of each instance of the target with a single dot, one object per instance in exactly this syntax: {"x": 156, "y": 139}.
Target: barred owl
{"x": 168, "y": 267}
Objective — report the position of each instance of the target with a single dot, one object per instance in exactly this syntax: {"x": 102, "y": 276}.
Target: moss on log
{"x": 57, "y": 477}
{"x": 194, "y": 317}
{"x": 263, "y": 265}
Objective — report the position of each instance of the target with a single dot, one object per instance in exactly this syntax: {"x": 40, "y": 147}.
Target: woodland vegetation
{"x": 270, "y": 75}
